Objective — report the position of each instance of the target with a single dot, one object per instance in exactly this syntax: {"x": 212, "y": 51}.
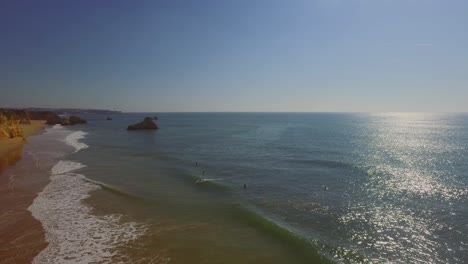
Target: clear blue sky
{"x": 239, "y": 55}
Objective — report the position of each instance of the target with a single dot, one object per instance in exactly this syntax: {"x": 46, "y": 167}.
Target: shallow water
{"x": 396, "y": 187}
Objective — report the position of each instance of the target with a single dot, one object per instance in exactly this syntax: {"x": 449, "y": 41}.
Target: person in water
{"x": 245, "y": 186}
{"x": 196, "y": 163}
{"x": 201, "y": 180}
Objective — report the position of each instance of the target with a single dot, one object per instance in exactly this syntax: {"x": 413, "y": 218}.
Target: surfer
{"x": 201, "y": 180}
{"x": 324, "y": 187}
{"x": 245, "y": 186}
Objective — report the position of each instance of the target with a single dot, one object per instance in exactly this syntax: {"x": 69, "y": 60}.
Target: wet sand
{"x": 21, "y": 236}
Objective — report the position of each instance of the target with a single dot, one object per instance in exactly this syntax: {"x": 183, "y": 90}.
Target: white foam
{"x": 53, "y": 129}
{"x": 74, "y": 234}
{"x": 73, "y": 138}
{"x": 66, "y": 166}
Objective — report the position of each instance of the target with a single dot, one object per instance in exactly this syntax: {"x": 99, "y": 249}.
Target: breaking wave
{"x": 74, "y": 234}
{"x": 73, "y": 138}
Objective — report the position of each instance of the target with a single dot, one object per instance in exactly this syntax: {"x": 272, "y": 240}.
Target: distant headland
{"x": 69, "y": 111}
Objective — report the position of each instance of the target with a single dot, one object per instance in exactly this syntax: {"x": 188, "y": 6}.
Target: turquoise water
{"x": 320, "y": 186}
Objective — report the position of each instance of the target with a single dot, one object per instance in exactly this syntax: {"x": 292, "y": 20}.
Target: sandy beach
{"x": 21, "y": 236}
{"x": 9, "y": 148}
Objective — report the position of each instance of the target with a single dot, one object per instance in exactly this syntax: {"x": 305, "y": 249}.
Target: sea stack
{"x": 147, "y": 123}
{"x": 64, "y": 122}
{"x": 76, "y": 120}
{"x": 53, "y": 119}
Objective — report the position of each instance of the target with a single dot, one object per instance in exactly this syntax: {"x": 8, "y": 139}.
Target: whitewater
{"x": 73, "y": 233}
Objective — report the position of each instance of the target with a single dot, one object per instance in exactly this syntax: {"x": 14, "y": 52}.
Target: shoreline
{"x": 21, "y": 235}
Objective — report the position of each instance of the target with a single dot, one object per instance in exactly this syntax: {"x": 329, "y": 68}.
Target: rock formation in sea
{"x": 147, "y": 123}
{"x": 65, "y": 122}
{"x": 76, "y": 120}
{"x": 55, "y": 119}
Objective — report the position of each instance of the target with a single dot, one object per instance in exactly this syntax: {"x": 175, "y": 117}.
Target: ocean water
{"x": 319, "y": 188}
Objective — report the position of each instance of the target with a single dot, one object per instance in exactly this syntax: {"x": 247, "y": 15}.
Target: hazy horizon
{"x": 241, "y": 56}
{"x": 266, "y": 112}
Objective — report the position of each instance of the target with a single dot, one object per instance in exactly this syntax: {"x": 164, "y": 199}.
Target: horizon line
{"x": 222, "y": 111}
{"x": 412, "y": 112}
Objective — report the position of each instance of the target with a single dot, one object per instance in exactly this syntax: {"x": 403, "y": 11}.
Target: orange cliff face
{"x": 10, "y": 126}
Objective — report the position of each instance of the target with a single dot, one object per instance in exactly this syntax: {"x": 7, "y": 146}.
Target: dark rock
{"x": 65, "y": 122}
{"x": 41, "y": 115}
{"x": 109, "y": 118}
{"x": 73, "y": 120}
{"x": 53, "y": 119}
{"x": 148, "y": 123}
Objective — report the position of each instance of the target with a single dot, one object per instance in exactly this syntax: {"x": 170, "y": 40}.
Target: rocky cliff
{"x": 10, "y": 124}
{"x": 11, "y": 121}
